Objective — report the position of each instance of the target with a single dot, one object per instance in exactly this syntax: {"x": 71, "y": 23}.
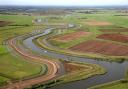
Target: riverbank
{"x": 41, "y": 42}
{"x": 110, "y": 66}
{"x": 76, "y": 75}
{"x": 119, "y": 84}
{"x": 87, "y": 71}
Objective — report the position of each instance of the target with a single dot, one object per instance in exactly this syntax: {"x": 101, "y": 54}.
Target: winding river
{"x": 115, "y": 71}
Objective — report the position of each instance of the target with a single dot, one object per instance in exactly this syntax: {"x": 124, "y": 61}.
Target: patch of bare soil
{"x": 97, "y": 23}
{"x": 114, "y": 37}
{"x": 4, "y": 23}
{"x": 72, "y": 36}
{"x": 70, "y": 67}
{"x": 106, "y": 48}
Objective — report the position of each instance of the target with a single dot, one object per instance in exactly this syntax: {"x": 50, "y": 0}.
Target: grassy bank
{"x": 120, "y": 84}
{"x": 14, "y": 67}
{"x": 73, "y": 76}
{"x": 39, "y": 42}
{"x": 3, "y": 80}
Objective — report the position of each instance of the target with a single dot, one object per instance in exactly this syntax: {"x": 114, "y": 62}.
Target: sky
{"x": 64, "y": 2}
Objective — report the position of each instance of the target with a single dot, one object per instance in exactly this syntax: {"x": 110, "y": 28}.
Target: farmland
{"x": 97, "y": 23}
{"x": 106, "y": 48}
{"x": 14, "y": 67}
{"x": 3, "y": 23}
{"x": 92, "y": 45}
{"x": 114, "y": 37}
{"x": 103, "y": 29}
{"x": 40, "y": 50}
{"x": 69, "y": 37}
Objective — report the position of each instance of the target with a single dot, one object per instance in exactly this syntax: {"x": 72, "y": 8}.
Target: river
{"x": 115, "y": 70}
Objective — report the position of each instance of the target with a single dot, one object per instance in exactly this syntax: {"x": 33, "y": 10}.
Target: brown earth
{"x": 72, "y": 36}
{"x": 114, "y": 37}
{"x": 4, "y": 23}
{"x": 70, "y": 67}
{"x": 97, "y": 23}
{"x": 115, "y": 30}
{"x": 106, "y": 48}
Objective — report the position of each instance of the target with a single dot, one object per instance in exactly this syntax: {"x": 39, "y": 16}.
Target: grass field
{"x": 121, "y": 84}
{"x": 15, "y": 67}
{"x": 115, "y": 24}
{"x": 107, "y": 17}
{"x": 117, "y": 86}
{"x": 3, "y": 80}
{"x": 68, "y": 44}
{"x": 18, "y": 19}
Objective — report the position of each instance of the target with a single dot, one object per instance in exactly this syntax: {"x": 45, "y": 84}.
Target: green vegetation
{"x": 14, "y": 67}
{"x": 119, "y": 84}
{"x": 66, "y": 45}
{"x": 40, "y": 43}
{"x": 105, "y": 16}
{"x": 18, "y": 20}
{"x": 83, "y": 74}
{"x": 3, "y": 80}
{"x": 122, "y": 84}
{"x": 73, "y": 76}
{"x": 117, "y": 21}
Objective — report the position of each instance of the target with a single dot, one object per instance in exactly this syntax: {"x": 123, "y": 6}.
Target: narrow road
{"x": 51, "y": 71}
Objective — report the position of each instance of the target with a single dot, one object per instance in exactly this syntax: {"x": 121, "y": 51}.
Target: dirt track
{"x": 51, "y": 73}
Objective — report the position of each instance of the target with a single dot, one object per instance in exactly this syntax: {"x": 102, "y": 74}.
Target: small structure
{"x": 70, "y": 25}
{"x": 38, "y": 20}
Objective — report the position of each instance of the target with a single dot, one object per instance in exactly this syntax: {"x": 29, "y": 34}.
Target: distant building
{"x": 38, "y": 20}
{"x": 70, "y": 25}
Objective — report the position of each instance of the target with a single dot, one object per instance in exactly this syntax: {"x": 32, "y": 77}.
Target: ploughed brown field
{"x": 106, "y": 48}
{"x": 4, "y": 23}
{"x": 72, "y": 36}
{"x": 115, "y": 30}
{"x": 97, "y": 23}
{"x": 70, "y": 67}
{"x": 114, "y": 37}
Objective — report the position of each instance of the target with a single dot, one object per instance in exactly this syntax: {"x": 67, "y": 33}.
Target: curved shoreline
{"x": 110, "y": 66}
{"x": 51, "y": 73}
{"x": 43, "y": 43}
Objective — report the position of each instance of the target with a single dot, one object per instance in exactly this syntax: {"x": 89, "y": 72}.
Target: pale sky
{"x": 64, "y": 2}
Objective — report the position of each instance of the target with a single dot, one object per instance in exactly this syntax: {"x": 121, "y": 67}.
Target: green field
{"x": 12, "y": 66}
{"x": 116, "y": 21}
{"x": 17, "y": 19}
{"x": 122, "y": 84}
{"x": 117, "y": 86}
